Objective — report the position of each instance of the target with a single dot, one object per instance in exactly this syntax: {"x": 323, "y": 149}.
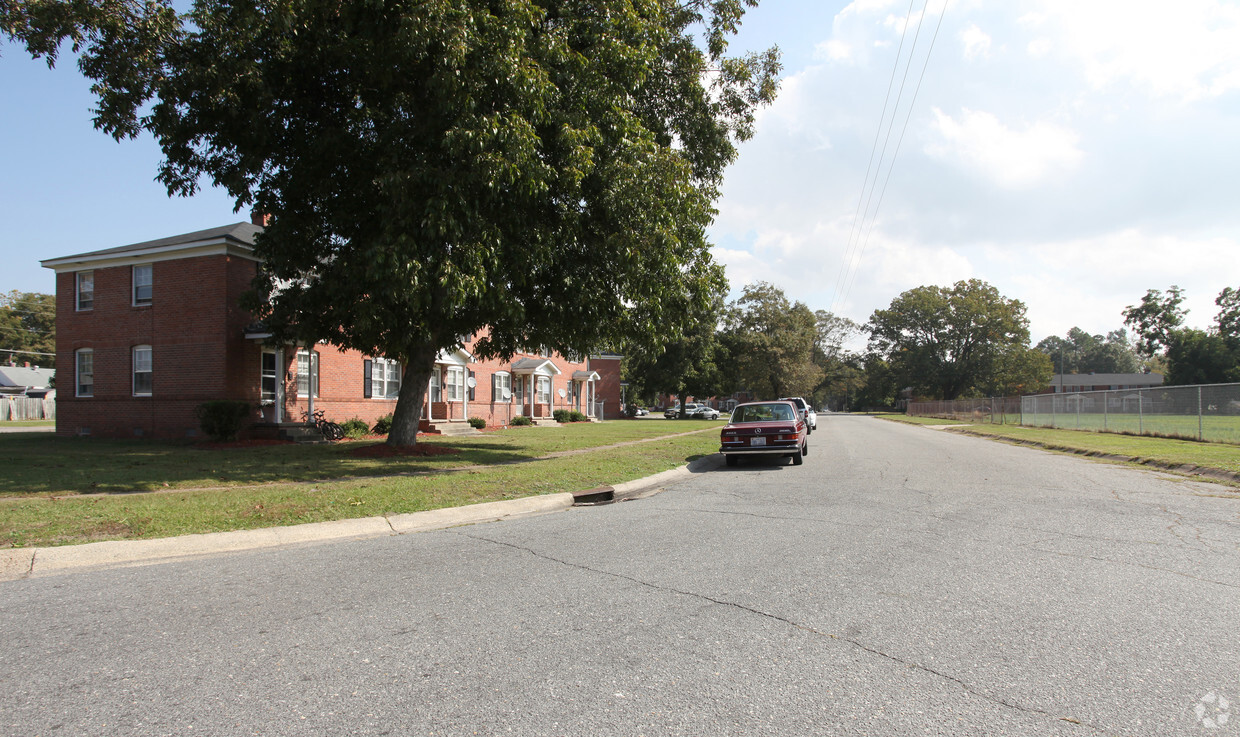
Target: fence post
{"x": 1200, "y": 425}
{"x": 1140, "y": 413}
{"x": 1106, "y": 409}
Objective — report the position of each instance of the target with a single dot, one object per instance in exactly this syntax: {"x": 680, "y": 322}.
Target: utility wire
{"x": 878, "y": 130}
{"x": 853, "y": 266}
{"x": 899, "y": 142}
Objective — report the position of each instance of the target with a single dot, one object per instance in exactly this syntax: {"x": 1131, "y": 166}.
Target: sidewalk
{"x": 19, "y": 563}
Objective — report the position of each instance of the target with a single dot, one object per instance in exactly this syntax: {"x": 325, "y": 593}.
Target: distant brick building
{"x": 147, "y": 332}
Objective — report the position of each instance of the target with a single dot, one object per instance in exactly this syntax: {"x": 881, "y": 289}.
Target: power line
{"x": 851, "y": 269}
{"x": 878, "y": 130}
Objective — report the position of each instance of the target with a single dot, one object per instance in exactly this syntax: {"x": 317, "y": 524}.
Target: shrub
{"x": 383, "y": 426}
{"x": 576, "y": 416}
{"x": 221, "y": 419}
{"x": 520, "y": 420}
{"x": 568, "y": 415}
{"x": 355, "y": 428}
{"x": 477, "y": 423}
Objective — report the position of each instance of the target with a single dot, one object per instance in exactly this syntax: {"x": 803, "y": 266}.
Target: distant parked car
{"x": 764, "y": 428}
{"x": 635, "y": 411}
{"x": 674, "y": 411}
{"x": 807, "y": 412}
{"x": 704, "y": 413}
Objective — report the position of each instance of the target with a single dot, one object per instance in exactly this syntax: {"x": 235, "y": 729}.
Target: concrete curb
{"x": 17, "y": 563}
{"x": 651, "y": 485}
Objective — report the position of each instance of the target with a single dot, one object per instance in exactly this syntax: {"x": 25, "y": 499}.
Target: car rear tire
{"x": 797, "y": 459}
{"x": 730, "y": 460}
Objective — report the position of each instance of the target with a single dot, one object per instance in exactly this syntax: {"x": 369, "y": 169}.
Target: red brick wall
{"x": 191, "y": 328}
{"x": 195, "y": 327}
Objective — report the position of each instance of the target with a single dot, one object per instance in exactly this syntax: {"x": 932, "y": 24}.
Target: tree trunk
{"x": 413, "y": 388}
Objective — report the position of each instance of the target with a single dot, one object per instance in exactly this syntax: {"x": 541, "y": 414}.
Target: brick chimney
{"x": 260, "y": 218}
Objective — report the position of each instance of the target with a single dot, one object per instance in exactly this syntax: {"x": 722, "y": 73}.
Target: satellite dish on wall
{"x": 507, "y": 394}
{"x": 562, "y": 394}
{"x": 472, "y": 382}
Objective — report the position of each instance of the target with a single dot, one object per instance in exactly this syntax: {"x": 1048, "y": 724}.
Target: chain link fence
{"x": 995, "y": 410}
{"x": 1206, "y": 412}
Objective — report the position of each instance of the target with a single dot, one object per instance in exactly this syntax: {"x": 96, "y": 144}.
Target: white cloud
{"x": 1008, "y": 157}
{"x": 1187, "y": 50}
{"x": 976, "y": 43}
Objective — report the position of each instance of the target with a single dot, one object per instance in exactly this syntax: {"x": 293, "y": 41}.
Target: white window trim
{"x": 390, "y": 372}
{"x": 133, "y": 288}
{"x": 77, "y": 290}
{"x": 539, "y": 396}
{"x": 77, "y": 371}
{"x": 312, "y": 376}
{"x": 500, "y": 381}
{"x": 150, "y": 369}
{"x": 454, "y": 383}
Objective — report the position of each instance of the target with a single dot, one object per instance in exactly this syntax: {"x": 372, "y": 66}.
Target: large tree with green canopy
{"x": 967, "y": 339}
{"x": 544, "y": 169}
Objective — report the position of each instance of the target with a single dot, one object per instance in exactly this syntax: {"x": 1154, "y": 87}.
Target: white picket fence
{"x": 26, "y": 408}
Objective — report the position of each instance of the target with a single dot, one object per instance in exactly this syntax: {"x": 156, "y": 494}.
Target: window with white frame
{"x": 85, "y": 290}
{"x": 267, "y": 377}
{"x": 384, "y": 378}
{"x": 454, "y": 383}
{"x": 85, "y": 372}
{"x": 518, "y": 389}
{"x": 544, "y": 390}
{"x": 143, "y": 279}
{"x": 307, "y": 373}
{"x": 436, "y": 393}
{"x": 142, "y": 374}
{"x": 501, "y": 387}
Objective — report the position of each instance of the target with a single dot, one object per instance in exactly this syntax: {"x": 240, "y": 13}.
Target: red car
{"x": 765, "y": 428}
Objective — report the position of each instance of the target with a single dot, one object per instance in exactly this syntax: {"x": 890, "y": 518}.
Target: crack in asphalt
{"x": 966, "y": 687}
{"x": 1146, "y": 566}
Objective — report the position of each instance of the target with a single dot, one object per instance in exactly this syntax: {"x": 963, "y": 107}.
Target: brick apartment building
{"x": 147, "y": 332}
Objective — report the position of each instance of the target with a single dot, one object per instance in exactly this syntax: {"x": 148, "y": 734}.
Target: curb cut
{"x": 19, "y": 563}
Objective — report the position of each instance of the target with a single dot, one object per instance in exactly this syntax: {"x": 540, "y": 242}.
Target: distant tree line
{"x": 28, "y": 328}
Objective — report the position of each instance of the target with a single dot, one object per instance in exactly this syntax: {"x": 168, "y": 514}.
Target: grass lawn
{"x": 58, "y": 491}
{"x": 1221, "y": 456}
{"x": 915, "y": 420}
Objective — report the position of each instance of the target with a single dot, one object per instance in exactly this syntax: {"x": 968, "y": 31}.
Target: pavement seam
{"x": 805, "y": 628}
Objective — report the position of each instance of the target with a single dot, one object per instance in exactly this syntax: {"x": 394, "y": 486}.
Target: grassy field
{"x": 1163, "y": 451}
{"x": 58, "y": 491}
{"x": 1214, "y": 428}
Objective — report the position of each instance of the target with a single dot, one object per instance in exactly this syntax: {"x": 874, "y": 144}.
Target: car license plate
{"x": 757, "y": 441}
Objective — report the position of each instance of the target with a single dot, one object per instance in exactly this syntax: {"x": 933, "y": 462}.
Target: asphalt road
{"x": 902, "y": 582}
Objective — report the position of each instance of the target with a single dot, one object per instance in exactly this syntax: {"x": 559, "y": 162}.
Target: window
{"x": 436, "y": 394}
{"x": 142, "y": 371}
{"x": 384, "y": 378}
{"x": 85, "y": 290}
{"x": 544, "y": 390}
{"x": 86, "y": 372}
{"x": 454, "y": 383}
{"x": 501, "y": 387}
{"x": 267, "y": 378}
{"x": 143, "y": 278}
{"x": 518, "y": 390}
{"x": 307, "y": 373}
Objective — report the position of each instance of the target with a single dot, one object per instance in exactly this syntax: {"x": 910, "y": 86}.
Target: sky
{"x": 1071, "y": 153}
